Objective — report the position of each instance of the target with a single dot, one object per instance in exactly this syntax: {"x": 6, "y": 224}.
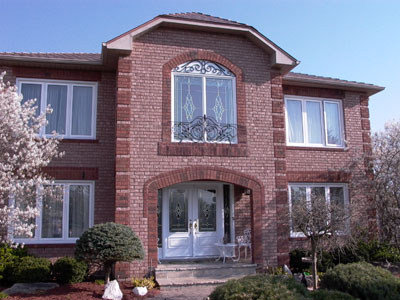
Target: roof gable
{"x": 198, "y": 21}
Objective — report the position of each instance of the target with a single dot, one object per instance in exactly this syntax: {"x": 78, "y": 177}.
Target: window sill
{"x": 84, "y": 141}
{"x": 202, "y": 149}
{"x": 63, "y": 245}
{"x": 316, "y": 148}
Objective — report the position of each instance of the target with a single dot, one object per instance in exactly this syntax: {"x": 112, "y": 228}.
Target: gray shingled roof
{"x": 42, "y": 56}
{"x": 203, "y": 17}
{"x": 292, "y": 76}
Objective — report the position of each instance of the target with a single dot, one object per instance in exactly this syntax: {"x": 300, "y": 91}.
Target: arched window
{"x": 203, "y": 103}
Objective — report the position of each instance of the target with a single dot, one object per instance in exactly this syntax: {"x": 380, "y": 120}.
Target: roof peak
{"x": 198, "y": 16}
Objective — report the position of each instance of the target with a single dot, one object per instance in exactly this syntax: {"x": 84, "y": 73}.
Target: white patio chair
{"x": 244, "y": 241}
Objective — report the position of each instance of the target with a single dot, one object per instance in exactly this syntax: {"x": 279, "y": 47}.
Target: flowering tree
{"x": 23, "y": 154}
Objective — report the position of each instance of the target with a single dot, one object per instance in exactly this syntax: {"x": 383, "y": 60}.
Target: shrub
{"x": 296, "y": 263}
{"x": 144, "y": 282}
{"x": 3, "y": 295}
{"x": 362, "y": 280}
{"x": 322, "y": 294}
{"x": 107, "y": 243}
{"x": 260, "y": 287}
{"x": 374, "y": 251}
{"x": 69, "y": 270}
{"x": 30, "y": 269}
{"x": 8, "y": 256}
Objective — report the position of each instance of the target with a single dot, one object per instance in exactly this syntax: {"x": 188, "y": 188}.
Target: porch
{"x": 204, "y": 220}
{"x": 200, "y": 273}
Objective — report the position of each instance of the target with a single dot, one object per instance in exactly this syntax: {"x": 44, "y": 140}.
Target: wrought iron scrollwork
{"x": 203, "y": 67}
{"x": 204, "y": 129}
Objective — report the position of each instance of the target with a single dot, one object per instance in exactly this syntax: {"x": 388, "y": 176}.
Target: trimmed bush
{"x": 30, "y": 269}
{"x": 260, "y": 287}
{"x": 8, "y": 256}
{"x": 362, "y": 280}
{"x": 69, "y": 270}
{"x": 330, "y": 295}
{"x": 107, "y": 243}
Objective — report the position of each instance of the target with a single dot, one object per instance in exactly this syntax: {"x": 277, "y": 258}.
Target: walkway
{"x": 198, "y": 292}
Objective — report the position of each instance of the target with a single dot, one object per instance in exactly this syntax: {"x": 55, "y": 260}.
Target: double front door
{"x": 192, "y": 220}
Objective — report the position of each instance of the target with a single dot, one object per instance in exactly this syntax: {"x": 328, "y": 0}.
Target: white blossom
{"x": 23, "y": 154}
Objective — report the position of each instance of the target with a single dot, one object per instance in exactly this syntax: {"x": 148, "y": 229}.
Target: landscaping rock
{"x": 140, "y": 291}
{"x": 112, "y": 291}
{"x": 30, "y": 288}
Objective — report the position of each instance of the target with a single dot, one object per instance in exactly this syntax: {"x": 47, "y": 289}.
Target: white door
{"x": 192, "y": 220}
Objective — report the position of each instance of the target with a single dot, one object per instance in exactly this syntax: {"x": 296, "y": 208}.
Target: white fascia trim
{"x": 125, "y": 42}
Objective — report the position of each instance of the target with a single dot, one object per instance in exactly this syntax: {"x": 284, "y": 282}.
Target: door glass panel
{"x": 207, "y": 210}
{"x": 178, "y": 211}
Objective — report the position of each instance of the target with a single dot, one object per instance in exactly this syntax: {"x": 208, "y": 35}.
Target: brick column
{"x": 281, "y": 183}
{"x": 367, "y": 149}
{"x": 122, "y": 159}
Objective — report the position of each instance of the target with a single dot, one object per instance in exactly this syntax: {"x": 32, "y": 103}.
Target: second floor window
{"x": 314, "y": 122}
{"x": 73, "y": 104}
{"x": 204, "y": 103}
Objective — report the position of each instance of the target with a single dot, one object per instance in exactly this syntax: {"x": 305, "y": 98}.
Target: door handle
{"x": 195, "y": 226}
{"x": 190, "y": 227}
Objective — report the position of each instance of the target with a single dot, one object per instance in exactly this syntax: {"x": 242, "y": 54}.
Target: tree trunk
{"x": 107, "y": 271}
{"x": 314, "y": 262}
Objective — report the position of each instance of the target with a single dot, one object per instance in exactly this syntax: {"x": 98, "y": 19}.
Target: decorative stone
{"x": 287, "y": 271}
{"x": 140, "y": 291}
{"x": 112, "y": 291}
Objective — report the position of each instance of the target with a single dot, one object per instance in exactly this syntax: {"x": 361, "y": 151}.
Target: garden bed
{"x": 81, "y": 291}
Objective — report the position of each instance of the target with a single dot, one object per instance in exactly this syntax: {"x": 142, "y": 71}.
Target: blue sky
{"x": 348, "y": 39}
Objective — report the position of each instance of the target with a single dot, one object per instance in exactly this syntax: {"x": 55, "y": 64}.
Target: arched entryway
{"x": 204, "y": 173}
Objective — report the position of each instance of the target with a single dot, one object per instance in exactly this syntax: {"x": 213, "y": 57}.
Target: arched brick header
{"x": 214, "y": 57}
{"x": 150, "y": 195}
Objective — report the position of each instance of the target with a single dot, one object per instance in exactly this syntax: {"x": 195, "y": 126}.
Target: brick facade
{"x": 133, "y": 156}
{"x": 83, "y": 159}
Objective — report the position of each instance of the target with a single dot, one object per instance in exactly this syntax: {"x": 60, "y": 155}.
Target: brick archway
{"x": 150, "y": 194}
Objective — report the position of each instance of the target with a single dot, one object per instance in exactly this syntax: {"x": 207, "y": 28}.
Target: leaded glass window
{"x": 204, "y": 103}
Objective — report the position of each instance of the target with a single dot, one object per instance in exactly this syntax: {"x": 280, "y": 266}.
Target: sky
{"x": 349, "y": 39}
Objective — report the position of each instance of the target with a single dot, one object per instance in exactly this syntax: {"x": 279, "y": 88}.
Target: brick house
{"x": 190, "y": 129}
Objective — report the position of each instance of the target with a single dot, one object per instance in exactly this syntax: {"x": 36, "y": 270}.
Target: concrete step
{"x": 170, "y": 275}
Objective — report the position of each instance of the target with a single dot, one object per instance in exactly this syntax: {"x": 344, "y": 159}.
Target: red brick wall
{"x": 83, "y": 160}
{"x": 150, "y": 54}
{"x": 329, "y": 165}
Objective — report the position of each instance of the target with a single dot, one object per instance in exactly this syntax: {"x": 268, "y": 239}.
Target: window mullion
{"x": 43, "y": 106}
{"x": 204, "y": 103}
{"x": 324, "y": 124}
{"x": 65, "y": 211}
{"x": 68, "y": 118}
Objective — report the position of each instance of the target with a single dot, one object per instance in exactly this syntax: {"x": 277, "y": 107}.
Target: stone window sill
{"x": 202, "y": 149}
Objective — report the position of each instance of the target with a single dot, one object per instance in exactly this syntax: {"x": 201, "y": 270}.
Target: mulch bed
{"x": 81, "y": 291}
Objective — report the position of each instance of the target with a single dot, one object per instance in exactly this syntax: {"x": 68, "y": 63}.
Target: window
{"x": 314, "y": 122}
{"x": 73, "y": 104}
{"x": 204, "y": 103}
{"x": 63, "y": 218}
{"x": 306, "y": 193}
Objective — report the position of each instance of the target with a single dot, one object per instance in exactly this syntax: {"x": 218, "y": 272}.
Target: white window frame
{"x": 65, "y": 223}
{"x": 204, "y": 100}
{"x": 68, "y": 123}
{"x": 324, "y": 133}
{"x": 308, "y": 187}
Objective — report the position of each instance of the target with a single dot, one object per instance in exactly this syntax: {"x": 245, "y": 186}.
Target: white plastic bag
{"x": 112, "y": 291}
